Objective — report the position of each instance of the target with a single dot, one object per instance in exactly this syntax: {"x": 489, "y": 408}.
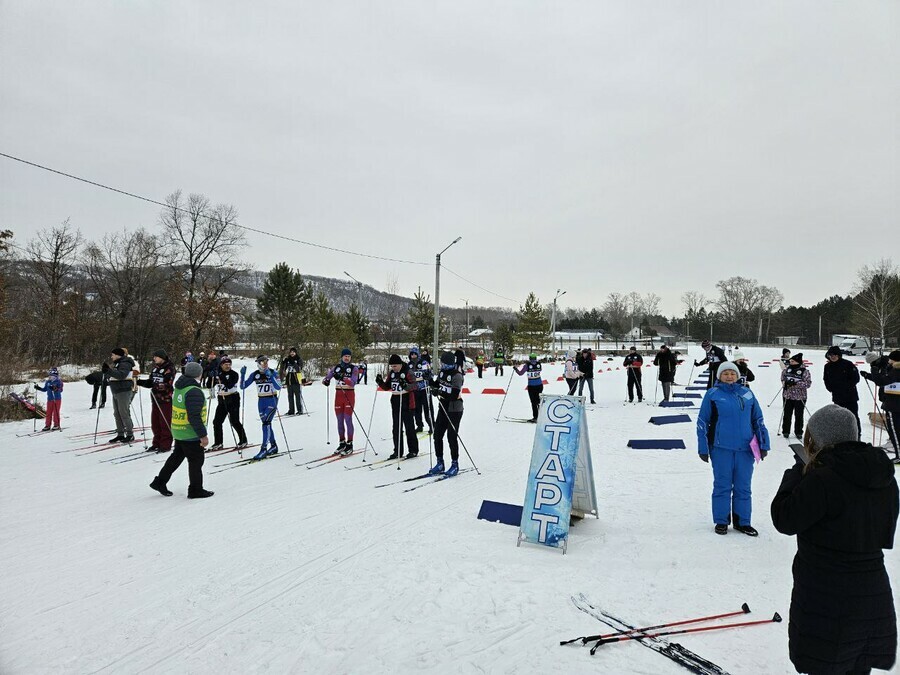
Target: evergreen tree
{"x": 534, "y": 325}
{"x": 359, "y": 326}
{"x": 505, "y": 338}
{"x": 421, "y": 319}
{"x": 285, "y": 304}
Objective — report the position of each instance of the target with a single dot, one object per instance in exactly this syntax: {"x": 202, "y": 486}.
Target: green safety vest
{"x": 181, "y": 428}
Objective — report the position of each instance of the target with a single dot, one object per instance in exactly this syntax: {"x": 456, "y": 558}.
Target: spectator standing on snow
{"x": 841, "y": 377}
{"x": 499, "y": 360}
{"x": 535, "y": 383}
{"x": 98, "y": 380}
{"x": 795, "y": 381}
{"x": 785, "y": 358}
{"x": 842, "y": 506}
{"x": 729, "y": 418}
{"x": 188, "y": 358}
{"x": 446, "y": 388}
{"x": 586, "y": 366}
{"x": 572, "y": 373}
{"x": 363, "y": 368}
{"x": 402, "y": 385}
{"x": 120, "y": 385}
{"x": 633, "y": 363}
{"x": 291, "y": 370}
{"x": 714, "y": 357}
{"x": 740, "y": 361}
{"x": 666, "y": 361}
{"x": 210, "y": 371}
{"x": 479, "y": 362}
{"x": 53, "y": 385}
{"x": 161, "y": 384}
{"x": 421, "y": 370}
{"x": 189, "y": 431}
{"x": 888, "y": 381}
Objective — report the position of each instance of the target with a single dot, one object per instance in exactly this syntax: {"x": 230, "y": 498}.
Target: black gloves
{"x": 763, "y": 454}
{"x": 865, "y": 375}
{"x": 379, "y": 379}
{"x": 705, "y": 458}
{"x": 695, "y": 363}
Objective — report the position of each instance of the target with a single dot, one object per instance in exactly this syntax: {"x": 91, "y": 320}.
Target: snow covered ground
{"x": 293, "y": 570}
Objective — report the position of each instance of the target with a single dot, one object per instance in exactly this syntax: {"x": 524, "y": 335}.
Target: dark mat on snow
{"x": 687, "y": 395}
{"x": 676, "y": 404}
{"x": 657, "y": 444}
{"x": 670, "y": 419}
{"x": 695, "y": 388}
{"x": 498, "y": 512}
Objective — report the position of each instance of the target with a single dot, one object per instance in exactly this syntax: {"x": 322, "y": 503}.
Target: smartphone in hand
{"x": 800, "y": 452}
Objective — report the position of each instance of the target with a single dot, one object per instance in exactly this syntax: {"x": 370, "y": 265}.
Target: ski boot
{"x": 160, "y": 487}
{"x": 419, "y": 429}
{"x": 721, "y": 528}
{"x": 453, "y": 470}
{"x": 437, "y": 469}
{"x": 242, "y": 445}
{"x": 340, "y": 448}
{"x": 200, "y": 494}
{"x": 128, "y": 439}
{"x": 152, "y": 448}
{"x": 272, "y": 451}
{"x": 216, "y": 446}
{"x": 93, "y": 406}
{"x": 117, "y": 439}
{"x": 348, "y": 449}
{"x": 395, "y": 455}
{"x": 263, "y": 451}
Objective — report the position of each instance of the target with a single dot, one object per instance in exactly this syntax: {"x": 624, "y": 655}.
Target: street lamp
{"x": 820, "y": 328}
{"x": 467, "y": 322}
{"x": 558, "y": 295}
{"x": 437, "y": 297}
{"x": 358, "y": 291}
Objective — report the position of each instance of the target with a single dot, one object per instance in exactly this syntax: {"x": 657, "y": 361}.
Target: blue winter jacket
{"x": 729, "y": 417}
{"x": 54, "y": 388}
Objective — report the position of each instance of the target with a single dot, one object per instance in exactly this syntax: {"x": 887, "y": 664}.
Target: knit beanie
{"x": 894, "y": 355}
{"x": 728, "y": 365}
{"x": 118, "y": 351}
{"x": 831, "y": 425}
{"x": 798, "y": 357}
{"x": 346, "y": 352}
{"x": 872, "y": 357}
{"x": 705, "y": 344}
{"x": 448, "y": 360}
{"x": 161, "y": 353}
{"x": 193, "y": 369}
{"x": 395, "y": 360}
{"x": 738, "y": 355}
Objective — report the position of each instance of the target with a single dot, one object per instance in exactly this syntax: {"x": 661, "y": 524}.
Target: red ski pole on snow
{"x": 745, "y": 609}
{"x": 624, "y": 638}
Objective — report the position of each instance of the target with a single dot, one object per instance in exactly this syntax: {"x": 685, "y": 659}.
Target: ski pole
{"x": 278, "y": 414}
{"x": 624, "y": 638}
{"x": 96, "y": 425}
{"x": 505, "y": 394}
{"x": 365, "y": 433}
{"x": 780, "y": 391}
{"x": 141, "y": 408}
{"x": 371, "y": 417}
{"x": 655, "y": 387}
{"x": 745, "y": 609}
{"x": 456, "y": 431}
{"x": 691, "y": 376}
{"x": 327, "y": 419}
{"x": 400, "y": 429}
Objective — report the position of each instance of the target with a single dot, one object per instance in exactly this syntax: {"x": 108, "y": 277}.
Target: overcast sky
{"x": 588, "y": 146}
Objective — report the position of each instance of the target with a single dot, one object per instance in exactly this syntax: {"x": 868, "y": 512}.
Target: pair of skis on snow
{"x": 649, "y": 636}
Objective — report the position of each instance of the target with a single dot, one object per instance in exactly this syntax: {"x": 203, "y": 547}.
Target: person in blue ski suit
{"x": 729, "y": 418}
{"x": 267, "y": 388}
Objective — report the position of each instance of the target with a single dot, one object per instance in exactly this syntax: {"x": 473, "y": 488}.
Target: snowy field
{"x": 290, "y": 570}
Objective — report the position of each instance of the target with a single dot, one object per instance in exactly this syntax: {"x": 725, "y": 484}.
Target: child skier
{"x": 795, "y": 380}
{"x": 535, "y": 383}
{"x": 267, "y": 388}
{"x": 54, "y": 388}
{"x": 740, "y": 361}
{"x": 345, "y": 376}
{"x": 228, "y": 399}
{"x": 446, "y": 387}
{"x": 421, "y": 370}
{"x": 402, "y": 385}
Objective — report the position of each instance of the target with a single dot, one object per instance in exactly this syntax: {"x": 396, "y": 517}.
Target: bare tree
{"x": 205, "y": 242}
{"x": 391, "y": 313}
{"x": 877, "y": 299}
{"x": 650, "y": 304}
{"x": 693, "y": 302}
{"x": 615, "y": 310}
{"x": 52, "y": 255}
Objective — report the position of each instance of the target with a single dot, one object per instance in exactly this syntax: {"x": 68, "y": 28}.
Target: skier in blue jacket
{"x": 730, "y": 416}
{"x": 267, "y": 388}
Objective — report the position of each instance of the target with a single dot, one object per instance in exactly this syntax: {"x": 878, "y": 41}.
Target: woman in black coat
{"x": 843, "y": 508}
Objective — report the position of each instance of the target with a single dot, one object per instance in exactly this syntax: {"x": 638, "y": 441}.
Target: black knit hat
{"x": 118, "y": 351}
{"x": 894, "y": 355}
{"x": 395, "y": 360}
{"x": 798, "y": 357}
{"x": 834, "y": 350}
{"x": 161, "y": 353}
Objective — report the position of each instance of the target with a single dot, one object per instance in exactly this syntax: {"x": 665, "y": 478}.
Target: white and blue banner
{"x": 561, "y": 477}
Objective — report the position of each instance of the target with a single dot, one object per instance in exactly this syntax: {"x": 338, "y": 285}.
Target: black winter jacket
{"x": 890, "y": 375}
{"x": 120, "y": 375}
{"x": 667, "y": 364}
{"x": 840, "y": 379}
{"x": 844, "y": 512}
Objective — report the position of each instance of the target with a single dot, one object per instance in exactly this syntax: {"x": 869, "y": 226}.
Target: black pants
{"x": 498, "y": 369}
{"x": 402, "y": 416}
{"x": 534, "y": 393}
{"x": 480, "y": 367}
{"x": 634, "y": 380}
{"x": 447, "y": 423}
{"x": 792, "y": 409}
{"x": 295, "y": 396}
{"x": 193, "y": 453}
{"x": 230, "y": 407}
{"x": 423, "y": 407}
{"x": 101, "y": 389}
{"x": 852, "y": 406}
{"x": 890, "y": 421}
{"x": 573, "y": 385}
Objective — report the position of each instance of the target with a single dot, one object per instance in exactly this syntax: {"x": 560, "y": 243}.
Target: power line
{"x": 472, "y": 283}
{"x": 176, "y": 208}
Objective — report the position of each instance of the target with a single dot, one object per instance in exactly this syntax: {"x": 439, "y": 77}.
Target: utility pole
{"x": 553, "y": 322}
{"x": 437, "y": 299}
{"x": 467, "y": 324}
{"x": 358, "y": 292}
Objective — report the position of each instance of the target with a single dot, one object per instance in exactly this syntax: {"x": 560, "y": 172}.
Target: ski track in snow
{"x": 287, "y": 570}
